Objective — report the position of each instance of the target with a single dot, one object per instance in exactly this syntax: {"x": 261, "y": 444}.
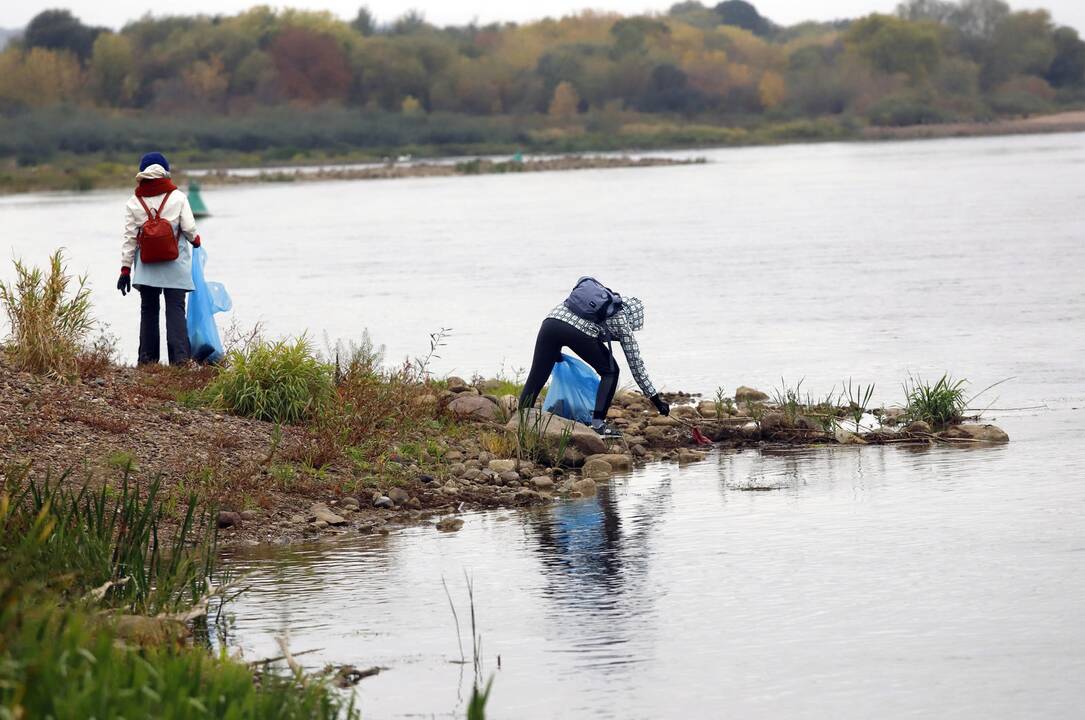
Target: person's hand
{"x": 196, "y": 242}
{"x": 661, "y": 404}
{"x": 124, "y": 282}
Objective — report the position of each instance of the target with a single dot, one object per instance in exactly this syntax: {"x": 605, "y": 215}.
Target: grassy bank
{"x": 104, "y": 613}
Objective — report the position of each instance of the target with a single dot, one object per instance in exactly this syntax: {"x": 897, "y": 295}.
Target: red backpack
{"x": 157, "y": 242}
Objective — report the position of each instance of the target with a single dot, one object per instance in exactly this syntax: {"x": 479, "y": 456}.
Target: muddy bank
{"x": 1073, "y": 121}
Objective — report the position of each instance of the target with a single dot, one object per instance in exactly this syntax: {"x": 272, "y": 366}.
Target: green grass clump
{"x": 49, "y": 322}
{"x": 282, "y": 382}
{"x": 938, "y": 405}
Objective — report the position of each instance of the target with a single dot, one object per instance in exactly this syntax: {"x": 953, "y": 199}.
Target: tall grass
{"x": 938, "y": 405}
{"x": 281, "y": 381}
{"x": 49, "y": 320}
{"x": 69, "y": 552}
{"x": 65, "y": 541}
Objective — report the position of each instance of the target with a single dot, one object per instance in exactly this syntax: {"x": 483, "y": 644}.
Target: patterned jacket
{"x": 621, "y": 328}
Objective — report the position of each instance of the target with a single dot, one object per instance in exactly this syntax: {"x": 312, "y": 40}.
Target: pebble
{"x": 383, "y": 501}
{"x": 227, "y": 519}
{"x": 398, "y": 495}
{"x": 449, "y": 524}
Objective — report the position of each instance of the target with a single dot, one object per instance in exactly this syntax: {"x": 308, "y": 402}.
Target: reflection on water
{"x": 878, "y": 581}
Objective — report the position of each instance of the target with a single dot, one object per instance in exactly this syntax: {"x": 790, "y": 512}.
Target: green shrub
{"x": 938, "y": 405}
{"x": 282, "y": 382}
{"x": 905, "y": 109}
{"x": 49, "y": 323}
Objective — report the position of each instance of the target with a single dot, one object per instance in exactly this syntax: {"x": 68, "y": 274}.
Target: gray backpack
{"x": 592, "y": 300}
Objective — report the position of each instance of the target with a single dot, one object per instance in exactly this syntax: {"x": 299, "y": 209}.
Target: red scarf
{"x": 158, "y": 186}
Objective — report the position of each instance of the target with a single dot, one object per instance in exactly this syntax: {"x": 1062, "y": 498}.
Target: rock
{"x": 658, "y": 436}
{"x": 552, "y": 426}
{"x": 917, "y": 426}
{"x": 508, "y": 404}
{"x": 449, "y": 524}
{"x": 457, "y": 384}
{"x": 472, "y": 474}
{"x": 685, "y": 455}
{"x": 500, "y": 466}
{"x": 639, "y": 451}
{"x": 615, "y": 460}
{"x": 383, "y": 501}
{"x": 594, "y": 467}
{"x": 542, "y": 483}
{"x": 414, "y": 504}
{"x": 526, "y": 495}
{"x": 773, "y": 421}
{"x": 848, "y": 438}
{"x": 615, "y": 413}
{"x": 450, "y": 488}
{"x": 750, "y": 430}
{"x": 804, "y": 423}
{"x": 297, "y": 519}
{"x": 509, "y": 476}
{"x": 485, "y": 457}
{"x": 349, "y": 501}
{"x": 321, "y": 512}
{"x": 398, "y": 495}
{"x": 573, "y": 457}
{"x": 424, "y": 401}
{"x": 983, "y": 433}
{"x": 664, "y": 421}
{"x": 585, "y": 487}
{"x": 226, "y": 519}
{"x": 453, "y": 456}
{"x": 893, "y": 416}
{"x": 687, "y": 412}
{"x": 149, "y": 631}
{"x": 748, "y": 394}
{"x": 707, "y": 408}
{"x": 472, "y": 407}
{"x": 320, "y": 524}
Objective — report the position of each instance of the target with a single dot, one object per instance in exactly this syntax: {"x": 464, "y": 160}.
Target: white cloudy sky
{"x": 114, "y": 13}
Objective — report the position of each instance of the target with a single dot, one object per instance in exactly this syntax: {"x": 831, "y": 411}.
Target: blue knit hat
{"x": 154, "y": 158}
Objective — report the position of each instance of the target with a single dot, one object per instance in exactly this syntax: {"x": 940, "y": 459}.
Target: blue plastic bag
{"x": 204, "y": 301}
{"x": 573, "y": 387}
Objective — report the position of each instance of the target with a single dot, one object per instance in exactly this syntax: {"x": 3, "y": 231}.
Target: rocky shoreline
{"x": 122, "y": 421}
{"x": 392, "y": 169}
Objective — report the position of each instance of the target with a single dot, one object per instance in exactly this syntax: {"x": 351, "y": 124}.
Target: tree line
{"x": 931, "y": 61}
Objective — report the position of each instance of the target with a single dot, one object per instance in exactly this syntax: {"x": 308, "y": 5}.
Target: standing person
{"x": 156, "y": 258}
{"x": 590, "y": 317}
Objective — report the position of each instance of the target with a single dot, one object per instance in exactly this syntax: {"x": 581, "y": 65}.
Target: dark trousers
{"x": 555, "y": 335}
{"x": 150, "y": 341}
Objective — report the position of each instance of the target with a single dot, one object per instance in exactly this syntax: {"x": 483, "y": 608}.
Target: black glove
{"x": 661, "y": 404}
{"x": 124, "y": 283}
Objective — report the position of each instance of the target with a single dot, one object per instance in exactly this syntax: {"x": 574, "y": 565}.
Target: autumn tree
{"x": 311, "y": 66}
{"x": 565, "y": 102}
{"x": 111, "y": 70}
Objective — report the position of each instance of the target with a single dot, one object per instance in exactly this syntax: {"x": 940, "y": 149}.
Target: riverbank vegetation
{"x": 104, "y": 613}
{"x": 289, "y": 86}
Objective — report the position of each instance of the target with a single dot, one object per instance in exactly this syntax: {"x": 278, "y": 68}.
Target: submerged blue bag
{"x": 573, "y": 387}
{"x": 206, "y": 299}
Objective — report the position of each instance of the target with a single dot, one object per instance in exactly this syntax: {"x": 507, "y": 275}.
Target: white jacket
{"x": 176, "y": 273}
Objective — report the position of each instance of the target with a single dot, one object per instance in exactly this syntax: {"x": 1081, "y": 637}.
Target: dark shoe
{"x": 607, "y": 431}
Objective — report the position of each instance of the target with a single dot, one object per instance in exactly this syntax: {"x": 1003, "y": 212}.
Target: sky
{"x": 114, "y": 13}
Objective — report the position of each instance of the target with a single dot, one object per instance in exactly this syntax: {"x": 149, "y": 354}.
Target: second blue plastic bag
{"x": 573, "y": 387}
{"x": 204, "y": 301}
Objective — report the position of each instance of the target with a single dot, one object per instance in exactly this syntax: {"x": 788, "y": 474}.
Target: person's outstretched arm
{"x": 631, "y": 348}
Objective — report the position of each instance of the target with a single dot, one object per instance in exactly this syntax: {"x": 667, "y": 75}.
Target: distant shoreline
{"x": 1071, "y": 121}
{"x": 54, "y": 178}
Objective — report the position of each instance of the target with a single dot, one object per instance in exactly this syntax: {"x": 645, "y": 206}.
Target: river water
{"x": 878, "y": 581}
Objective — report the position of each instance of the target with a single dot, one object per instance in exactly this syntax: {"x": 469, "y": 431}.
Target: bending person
{"x": 592, "y": 316}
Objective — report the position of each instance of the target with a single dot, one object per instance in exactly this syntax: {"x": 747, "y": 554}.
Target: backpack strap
{"x": 158, "y": 213}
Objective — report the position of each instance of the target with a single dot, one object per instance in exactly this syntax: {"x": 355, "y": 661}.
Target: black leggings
{"x": 555, "y": 335}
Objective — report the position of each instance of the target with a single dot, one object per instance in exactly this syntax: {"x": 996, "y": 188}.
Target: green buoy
{"x": 195, "y": 201}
